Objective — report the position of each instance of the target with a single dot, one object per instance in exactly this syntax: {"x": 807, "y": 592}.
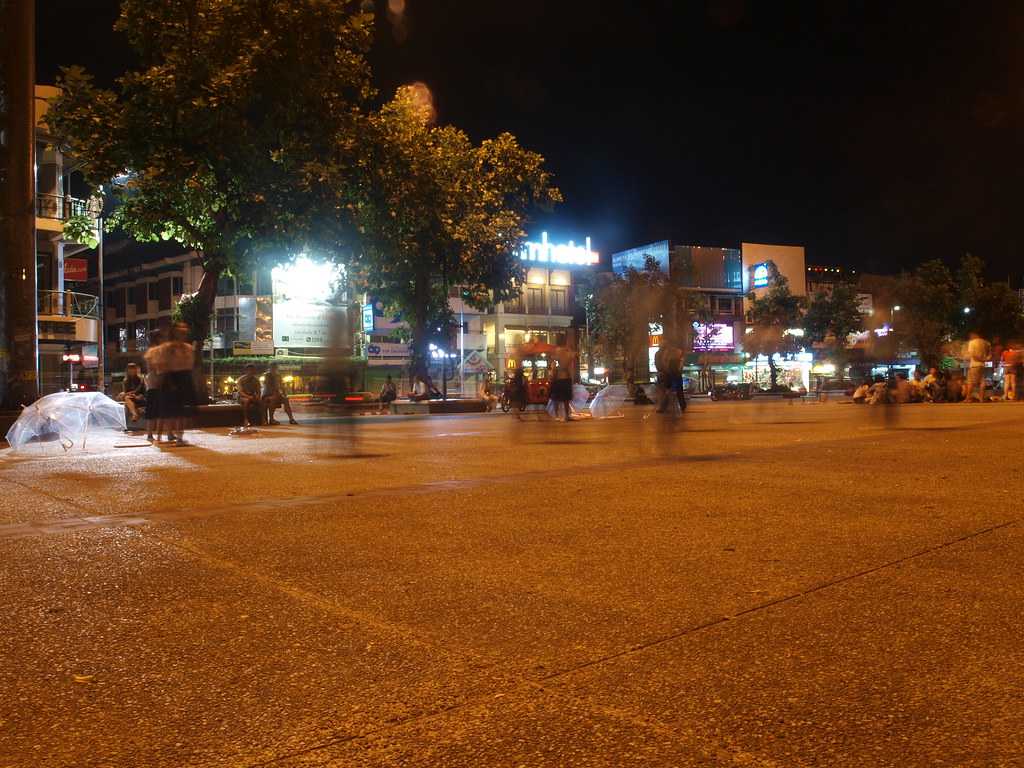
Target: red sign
{"x": 76, "y": 269}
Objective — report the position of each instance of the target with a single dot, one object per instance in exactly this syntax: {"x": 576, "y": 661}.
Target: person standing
{"x": 979, "y": 352}
{"x": 1011, "y": 357}
{"x": 177, "y": 392}
{"x": 153, "y": 370}
{"x": 561, "y": 381}
{"x": 274, "y": 395}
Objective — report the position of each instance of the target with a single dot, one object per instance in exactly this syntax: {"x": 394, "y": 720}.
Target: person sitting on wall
{"x": 249, "y": 398}
{"x": 388, "y": 393}
{"x": 486, "y": 393}
{"x": 420, "y": 391}
{"x": 133, "y": 391}
{"x": 274, "y": 395}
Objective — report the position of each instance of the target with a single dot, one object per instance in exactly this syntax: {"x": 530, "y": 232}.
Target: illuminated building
{"x": 67, "y": 271}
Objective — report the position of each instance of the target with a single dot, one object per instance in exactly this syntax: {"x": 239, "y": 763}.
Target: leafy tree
{"x": 626, "y": 305}
{"x": 704, "y": 336}
{"x": 231, "y": 134}
{"x": 830, "y": 320}
{"x": 769, "y": 317}
{"x": 995, "y": 310}
{"x": 433, "y": 210}
{"x": 928, "y": 304}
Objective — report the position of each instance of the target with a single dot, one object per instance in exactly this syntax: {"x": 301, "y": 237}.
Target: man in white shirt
{"x": 979, "y": 352}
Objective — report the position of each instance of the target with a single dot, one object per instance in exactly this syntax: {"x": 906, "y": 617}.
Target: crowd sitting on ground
{"x": 950, "y": 386}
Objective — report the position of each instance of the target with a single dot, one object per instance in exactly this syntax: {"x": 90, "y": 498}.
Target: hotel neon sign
{"x": 568, "y": 254}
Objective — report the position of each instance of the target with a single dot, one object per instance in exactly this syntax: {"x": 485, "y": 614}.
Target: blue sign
{"x": 368, "y": 318}
{"x": 760, "y": 275}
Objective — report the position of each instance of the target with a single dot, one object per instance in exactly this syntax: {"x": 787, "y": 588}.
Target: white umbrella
{"x": 608, "y": 402}
{"x": 65, "y": 416}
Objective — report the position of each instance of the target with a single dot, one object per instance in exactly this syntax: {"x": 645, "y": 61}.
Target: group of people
{"x": 165, "y": 394}
{"x": 261, "y": 398}
{"x": 949, "y": 386}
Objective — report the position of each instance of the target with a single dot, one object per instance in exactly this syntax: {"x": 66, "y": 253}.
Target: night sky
{"x": 876, "y": 134}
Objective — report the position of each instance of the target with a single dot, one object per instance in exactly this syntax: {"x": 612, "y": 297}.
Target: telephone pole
{"x": 19, "y": 359}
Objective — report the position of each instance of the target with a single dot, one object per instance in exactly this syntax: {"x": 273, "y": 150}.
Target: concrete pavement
{"x": 767, "y": 585}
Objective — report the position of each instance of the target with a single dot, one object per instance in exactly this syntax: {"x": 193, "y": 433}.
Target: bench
{"x": 408, "y": 407}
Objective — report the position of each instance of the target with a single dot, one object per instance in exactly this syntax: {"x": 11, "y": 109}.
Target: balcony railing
{"x": 62, "y": 208}
{"x": 68, "y": 304}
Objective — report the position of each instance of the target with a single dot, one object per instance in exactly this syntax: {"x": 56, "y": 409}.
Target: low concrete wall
{"x": 437, "y": 406}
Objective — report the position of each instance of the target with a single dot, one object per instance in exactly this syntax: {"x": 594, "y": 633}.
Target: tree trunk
{"x": 421, "y": 310}
{"x": 206, "y": 294}
{"x": 773, "y": 371}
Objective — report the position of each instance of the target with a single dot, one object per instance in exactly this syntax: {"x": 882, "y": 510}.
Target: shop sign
{"x": 568, "y": 254}
{"x": 760, "y": 276}
{"x": 475, "y": 363}
{"x": 865, "y": 304}
{"x": 368, "y": 318}
{"x": 387, "y": 349}
{"x": 76, "y": 270}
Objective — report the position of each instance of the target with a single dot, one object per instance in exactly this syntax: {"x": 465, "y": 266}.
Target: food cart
{"x": 534, "y": 358}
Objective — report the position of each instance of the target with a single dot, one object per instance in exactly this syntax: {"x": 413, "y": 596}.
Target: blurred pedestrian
{"x": 862, "y": 393}
{"x": 979, "y": 353}
{"x": 177, "y": 391}
{"x": 274, "y": 396}
{"x": 154, "y": 423}
{"x": 1011, "y": 362}
{"x": 561, "y": 381}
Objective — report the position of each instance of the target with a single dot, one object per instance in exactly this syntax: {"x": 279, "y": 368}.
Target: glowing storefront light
{"x": 570, "y": 254}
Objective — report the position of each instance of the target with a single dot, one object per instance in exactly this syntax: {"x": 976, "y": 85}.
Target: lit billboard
{"x": 716, "y": 337}
{"x": 305, "y": 307}
{"x": 636, "y": 258}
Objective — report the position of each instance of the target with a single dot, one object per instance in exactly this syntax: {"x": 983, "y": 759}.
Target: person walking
{"x": 274, "y": 395}
{"x": 979, "y": 352}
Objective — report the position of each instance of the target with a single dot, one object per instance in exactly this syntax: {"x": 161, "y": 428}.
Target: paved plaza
{"x": 770, "y": 584}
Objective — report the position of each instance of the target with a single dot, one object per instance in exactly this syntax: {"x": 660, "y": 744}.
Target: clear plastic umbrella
{"x": 608, "y": 402}
{"x": 67, "y": 417}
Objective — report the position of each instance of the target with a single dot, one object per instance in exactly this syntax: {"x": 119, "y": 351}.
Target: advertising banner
{"x": 305, "y": 307}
